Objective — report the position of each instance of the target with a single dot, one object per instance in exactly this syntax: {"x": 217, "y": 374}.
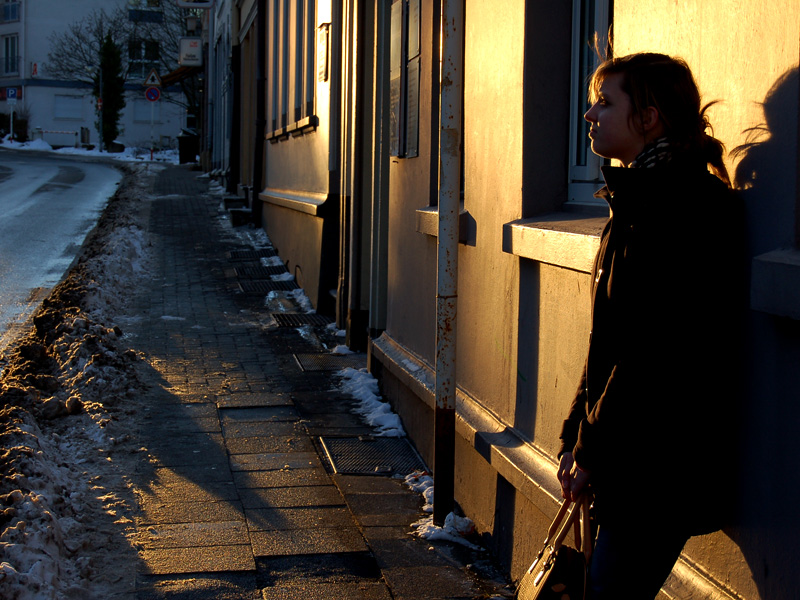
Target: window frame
{"x": 10, "y": 11}
{"x": 11, "y": 61}
{"x": 143, "y": 47}
{"x": 588, "y": 17}
{"x": 291, "y": 83}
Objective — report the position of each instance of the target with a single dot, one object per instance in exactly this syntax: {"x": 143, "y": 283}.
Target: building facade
{"x": 59, "y": 107}
{"x": 347, "y": 185}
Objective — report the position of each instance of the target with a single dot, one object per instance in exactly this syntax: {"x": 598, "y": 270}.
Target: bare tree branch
{"x": 75, "y": 52}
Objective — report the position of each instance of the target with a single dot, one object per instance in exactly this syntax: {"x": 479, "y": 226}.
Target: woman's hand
{"x": 573, "y": 479}
{"x": 564, "y": 473}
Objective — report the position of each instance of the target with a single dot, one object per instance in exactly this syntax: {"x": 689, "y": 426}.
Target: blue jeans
{"x": 625, "y": 566}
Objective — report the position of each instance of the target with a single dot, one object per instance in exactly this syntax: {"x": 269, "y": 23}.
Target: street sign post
{"x": 153, "y": 94}
{"x": 11, "y": 100}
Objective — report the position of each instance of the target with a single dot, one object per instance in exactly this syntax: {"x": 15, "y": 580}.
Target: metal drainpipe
{"x": 260, "y": 111}
{"x": 447, "y": 266}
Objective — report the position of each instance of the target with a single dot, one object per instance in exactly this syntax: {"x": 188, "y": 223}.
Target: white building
{"x": 58, "y": 108}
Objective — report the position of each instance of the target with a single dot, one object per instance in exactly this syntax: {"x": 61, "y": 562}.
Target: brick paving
{"x": 236, "y": 500}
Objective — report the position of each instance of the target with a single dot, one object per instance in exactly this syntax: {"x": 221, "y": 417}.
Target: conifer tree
{"x": 111, "y": 98}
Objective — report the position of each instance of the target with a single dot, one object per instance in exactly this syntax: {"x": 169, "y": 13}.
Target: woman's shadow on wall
{"x": 768, "y": 441}
{"x": 766, "y": 174}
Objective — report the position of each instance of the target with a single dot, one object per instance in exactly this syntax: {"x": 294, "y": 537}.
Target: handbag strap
{"x": 572, "y": 510}
{"x": 554, "y": 526}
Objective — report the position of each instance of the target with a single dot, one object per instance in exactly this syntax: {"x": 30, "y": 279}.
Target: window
{"x": 10, "y": 11}
{"x": 68, "y": 107}
{"x": 404, "y": 79}
{"x": 292, "y": 57}
{"x": 10, "y": 56}
{"x": 143, "y": 55}
{"x": 590, "y": 18}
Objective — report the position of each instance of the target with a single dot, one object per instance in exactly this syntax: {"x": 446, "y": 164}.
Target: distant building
{"x": 58, "y": 108}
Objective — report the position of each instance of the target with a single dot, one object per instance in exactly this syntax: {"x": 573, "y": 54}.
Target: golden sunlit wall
{"x": 738, "y": 51}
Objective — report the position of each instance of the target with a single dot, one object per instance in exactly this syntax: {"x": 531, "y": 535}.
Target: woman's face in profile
{"x": 612, "y": 133}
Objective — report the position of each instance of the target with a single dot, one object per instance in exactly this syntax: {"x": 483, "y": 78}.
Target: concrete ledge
{"x": 428, "y": 222}
{"x": 304, "y": 202}
{"x": 775, "y": 283}
{"x": 688, "y": 581}
{"x": 522, "y": 464}
{"x": 566, "y": 240}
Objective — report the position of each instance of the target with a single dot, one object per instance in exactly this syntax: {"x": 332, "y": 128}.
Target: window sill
{"x": 309, "y": 203}
{"x": 428, "y": 223}
{"x": 568, "y": 240}
{"x": 775, "y": 283}
{"x": 294, "y": 130}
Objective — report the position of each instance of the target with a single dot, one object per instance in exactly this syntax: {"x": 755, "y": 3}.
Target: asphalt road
{"x": 47, "y": 206}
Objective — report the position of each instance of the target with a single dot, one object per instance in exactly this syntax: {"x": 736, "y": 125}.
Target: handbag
{"x": 559, "y": 571}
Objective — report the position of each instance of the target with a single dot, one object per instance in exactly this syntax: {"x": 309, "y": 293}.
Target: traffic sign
{"x": 11, "y": 96}
{"x": 152, "y": 94}
{"x": 153, "y": 78}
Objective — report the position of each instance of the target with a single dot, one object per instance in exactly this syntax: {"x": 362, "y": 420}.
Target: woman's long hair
{"x": 667, "y": 84}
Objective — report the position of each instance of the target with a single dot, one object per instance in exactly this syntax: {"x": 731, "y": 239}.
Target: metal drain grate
{"x": 367, "y": 455}
{"x": 251, "y": 254}
{"x": 265, "y": 287}
{"x": 259, "y": 272}
{"x": 300, "y": 319}
{"x": 330, "y": 362}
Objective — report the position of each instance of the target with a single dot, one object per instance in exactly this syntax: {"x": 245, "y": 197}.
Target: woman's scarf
{"x": 656, "y": 153}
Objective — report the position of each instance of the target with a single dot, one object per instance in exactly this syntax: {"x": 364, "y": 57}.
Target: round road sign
{"x": 152, "y": 94}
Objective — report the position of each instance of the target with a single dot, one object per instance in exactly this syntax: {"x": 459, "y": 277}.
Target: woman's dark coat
{"x": 653, "y": 413}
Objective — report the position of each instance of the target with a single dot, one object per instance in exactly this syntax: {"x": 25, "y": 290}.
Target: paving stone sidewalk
{"x": 237, "y": 499}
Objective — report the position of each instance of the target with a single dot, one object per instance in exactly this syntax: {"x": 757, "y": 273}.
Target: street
{"x": 48, "y": 205}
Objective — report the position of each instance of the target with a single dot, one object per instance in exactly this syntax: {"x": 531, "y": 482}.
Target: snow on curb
{"x": 421, "y": 482}
{"x": 67, "y": 402}
{"x": 454, "y": 528}
{"x": 362, "y": 386}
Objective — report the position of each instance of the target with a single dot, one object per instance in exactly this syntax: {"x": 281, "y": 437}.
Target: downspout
{"x": 380, "y": 179}
{"x": 260, "y": 111}
{"x": 234, "y": 152}
{"x": 450, "y": 101}
{"x": 356, "y": 317}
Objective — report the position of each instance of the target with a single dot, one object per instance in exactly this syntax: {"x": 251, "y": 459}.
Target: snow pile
{"x": 362, "y": 386}
{"x": 129, "y": 155}
{"x": 65, "y": 501}
{"x": 123, "y": 256}
{"x": 271, "y": 261}
{"x": 335, "y": 331}
{"x": 36, "y": 145}
{"x": 288, "y": 301}
{"x": 421, "y": 482}
{"x": 453, "y": 530}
